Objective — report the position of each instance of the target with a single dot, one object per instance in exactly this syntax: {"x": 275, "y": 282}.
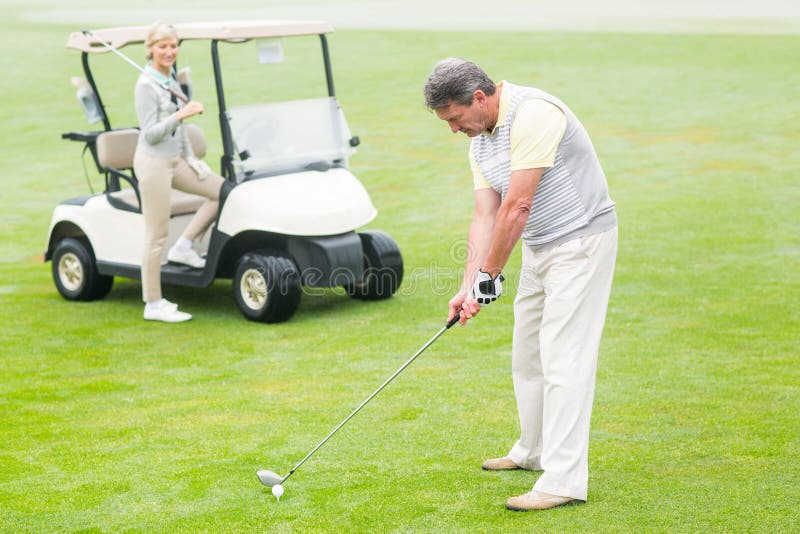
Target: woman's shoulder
{"x": 145, "y": 85}
{"x": 147, "y": 80}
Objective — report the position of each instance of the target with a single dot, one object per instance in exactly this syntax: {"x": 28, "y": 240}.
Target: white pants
{"x": 156, "y": 177}
{"x": 559, "y": 314}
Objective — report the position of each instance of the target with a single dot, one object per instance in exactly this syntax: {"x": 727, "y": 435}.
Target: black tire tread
{"x": 282, "y": 302}
{"x": 95, "y": 286}
{"x": 383, "y": 264}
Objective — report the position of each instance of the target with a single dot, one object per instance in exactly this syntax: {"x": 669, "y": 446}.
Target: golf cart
{"x": 290, "y": 210}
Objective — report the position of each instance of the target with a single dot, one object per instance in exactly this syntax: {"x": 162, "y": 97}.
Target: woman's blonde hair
{"x": 158, "y": 32}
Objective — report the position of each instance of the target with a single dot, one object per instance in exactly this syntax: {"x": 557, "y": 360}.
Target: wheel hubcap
{"x": 253, "y": 289}
{"x": 70, "y": 271}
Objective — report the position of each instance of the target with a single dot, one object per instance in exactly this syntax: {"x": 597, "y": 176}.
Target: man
{"x": 537, "y": 177}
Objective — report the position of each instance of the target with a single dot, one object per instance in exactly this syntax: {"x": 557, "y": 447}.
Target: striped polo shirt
{"x": 572, "y": 198}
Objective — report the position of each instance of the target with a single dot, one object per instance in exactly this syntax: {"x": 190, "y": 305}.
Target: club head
{"x": 269, "y": 478}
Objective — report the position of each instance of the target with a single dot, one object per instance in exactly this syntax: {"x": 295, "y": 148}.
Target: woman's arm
{"x": 146, "y": 101}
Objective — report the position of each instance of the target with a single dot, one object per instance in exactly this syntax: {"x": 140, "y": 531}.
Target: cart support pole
{"x": 327, "y": 58}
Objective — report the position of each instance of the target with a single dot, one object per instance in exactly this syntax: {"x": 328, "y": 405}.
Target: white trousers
{"x": 156, "y": 177}
{"x": 559, "y": 314}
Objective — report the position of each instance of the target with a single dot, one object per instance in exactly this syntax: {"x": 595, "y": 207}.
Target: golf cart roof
{"x": 223, "y": 31}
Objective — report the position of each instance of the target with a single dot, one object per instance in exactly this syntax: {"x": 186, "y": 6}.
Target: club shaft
{"x": 135, "y": 65}
{"x": 374, "y": 393}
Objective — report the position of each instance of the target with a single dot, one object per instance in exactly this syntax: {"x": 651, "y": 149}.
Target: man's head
{"x": 462, "y": 94}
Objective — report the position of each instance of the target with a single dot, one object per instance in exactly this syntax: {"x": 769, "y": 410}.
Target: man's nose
{"x": 455, "y": 128}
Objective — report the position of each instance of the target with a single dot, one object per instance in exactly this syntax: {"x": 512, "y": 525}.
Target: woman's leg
{"x": 187, "y": 180}
{"x": 155, "y": 177}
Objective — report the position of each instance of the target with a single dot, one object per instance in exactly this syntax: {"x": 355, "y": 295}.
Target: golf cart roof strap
{"x": 227, "y": 31}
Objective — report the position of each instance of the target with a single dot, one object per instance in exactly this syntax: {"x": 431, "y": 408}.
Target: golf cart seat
{"x": 115, "y": 151}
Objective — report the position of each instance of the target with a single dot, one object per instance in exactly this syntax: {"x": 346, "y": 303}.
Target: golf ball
{"x": 277, "y": 491}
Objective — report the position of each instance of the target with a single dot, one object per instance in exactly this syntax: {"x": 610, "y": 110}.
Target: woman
{"x": 164, "y": 159}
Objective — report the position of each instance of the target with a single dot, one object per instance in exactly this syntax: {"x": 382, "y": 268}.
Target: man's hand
{"x": 487, "y": 289}
{"x": 455, "y": 308}
{"x": 464, "y": 305}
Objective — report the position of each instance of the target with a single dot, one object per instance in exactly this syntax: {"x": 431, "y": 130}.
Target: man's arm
{"x": 537, "y": 131}
{"x": 535, "y": 136}
{"x": 511, "y": 218}
{"x": 487, "y": 203}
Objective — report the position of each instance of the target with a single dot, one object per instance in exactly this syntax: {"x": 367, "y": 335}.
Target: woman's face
{"x": 164, "y": 52}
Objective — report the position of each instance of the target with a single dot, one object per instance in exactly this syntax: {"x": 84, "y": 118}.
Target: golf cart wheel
{"x": 75, "y": 273}
{"x": 266, "y": 287}
{"x": 383, "y": 267}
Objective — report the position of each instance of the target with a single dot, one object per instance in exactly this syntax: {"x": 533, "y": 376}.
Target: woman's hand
{"x": 191, "y": 109}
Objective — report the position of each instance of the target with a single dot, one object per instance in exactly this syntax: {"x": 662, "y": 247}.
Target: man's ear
{"x": 479, "y": 95}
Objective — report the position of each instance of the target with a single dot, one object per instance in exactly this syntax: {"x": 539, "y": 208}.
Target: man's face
{"x": 470, "y": 120}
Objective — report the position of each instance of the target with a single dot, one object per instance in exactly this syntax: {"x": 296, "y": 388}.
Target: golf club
{"x": 163, "y": 85}
{"x": 272, "y": 479}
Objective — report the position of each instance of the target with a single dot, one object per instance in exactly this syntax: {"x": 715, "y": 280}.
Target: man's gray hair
{"x": 455, "y": 80}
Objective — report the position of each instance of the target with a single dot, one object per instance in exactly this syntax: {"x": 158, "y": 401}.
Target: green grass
{"x": 110, "y": 424}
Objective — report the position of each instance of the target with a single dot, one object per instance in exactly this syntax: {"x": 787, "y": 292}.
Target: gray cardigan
{"x": 161, "y": 134}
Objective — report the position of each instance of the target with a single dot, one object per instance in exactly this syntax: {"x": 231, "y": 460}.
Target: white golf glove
{"x": 487, "y": 289}
{"x": 200, "y": 167}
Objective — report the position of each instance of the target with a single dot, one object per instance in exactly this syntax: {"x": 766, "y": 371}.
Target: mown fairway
{"x": 112, "y": 424}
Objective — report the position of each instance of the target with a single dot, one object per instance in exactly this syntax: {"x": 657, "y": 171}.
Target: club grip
{"x": 453, "y": 321}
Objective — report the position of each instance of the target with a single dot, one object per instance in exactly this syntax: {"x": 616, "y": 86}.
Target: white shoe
{"x": 186, "y": 257}
{"x": 167, "y": 312}
{"x": 168, "y": 304}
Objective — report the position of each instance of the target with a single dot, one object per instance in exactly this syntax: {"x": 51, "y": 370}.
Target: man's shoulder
{"x": 536, "y": 107}
{"x": 520, "y": 90}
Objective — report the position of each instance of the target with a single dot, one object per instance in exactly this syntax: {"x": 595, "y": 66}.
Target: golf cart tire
{"x": 75, "y": 272}
{"x": 383, "y": 267}
{"x": 266, "y": 287}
